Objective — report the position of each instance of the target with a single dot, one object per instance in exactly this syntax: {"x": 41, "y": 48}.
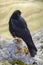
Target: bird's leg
{"x": 25, "y": 50}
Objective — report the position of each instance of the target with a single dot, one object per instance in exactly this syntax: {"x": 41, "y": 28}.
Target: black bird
{"x": 18, "y": 27}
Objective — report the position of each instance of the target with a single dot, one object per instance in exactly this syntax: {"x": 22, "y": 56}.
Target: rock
{"x": 38, "y": 40}
{"x": 11, "y": 50}
{"x": 15, "y": 49}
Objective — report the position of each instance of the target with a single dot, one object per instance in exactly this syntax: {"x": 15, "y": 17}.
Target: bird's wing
{"x": 28, "y": 39}
{"x": 22, "y": 22}
{"x": 14, "y": 25}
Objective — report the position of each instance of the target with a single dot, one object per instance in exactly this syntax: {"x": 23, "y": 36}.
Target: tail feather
{"x": 33, "y": 52}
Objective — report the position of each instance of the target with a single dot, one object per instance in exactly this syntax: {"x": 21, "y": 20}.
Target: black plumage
{"x": 18, "y": 27}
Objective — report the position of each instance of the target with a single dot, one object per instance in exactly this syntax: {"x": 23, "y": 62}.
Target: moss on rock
{"x": 18, "y": 62}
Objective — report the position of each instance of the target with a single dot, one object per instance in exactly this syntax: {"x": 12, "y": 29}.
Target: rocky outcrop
{"x": 16, "y": 49}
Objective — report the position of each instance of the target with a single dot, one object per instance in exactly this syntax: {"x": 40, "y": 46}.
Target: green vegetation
{"x": 13, "y": 62}
{"x": 18, "y": 62}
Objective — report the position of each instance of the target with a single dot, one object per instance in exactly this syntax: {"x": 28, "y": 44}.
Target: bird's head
{"x": 16, "y": 13}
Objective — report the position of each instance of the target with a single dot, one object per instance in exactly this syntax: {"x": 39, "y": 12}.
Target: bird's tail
{"x": 33, "y": 52}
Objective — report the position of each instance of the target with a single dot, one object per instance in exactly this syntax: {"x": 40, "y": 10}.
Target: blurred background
{"x": 32, "y": 12}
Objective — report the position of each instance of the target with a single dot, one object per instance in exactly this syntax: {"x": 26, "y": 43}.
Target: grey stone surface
{"x": 9, "y": 47}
